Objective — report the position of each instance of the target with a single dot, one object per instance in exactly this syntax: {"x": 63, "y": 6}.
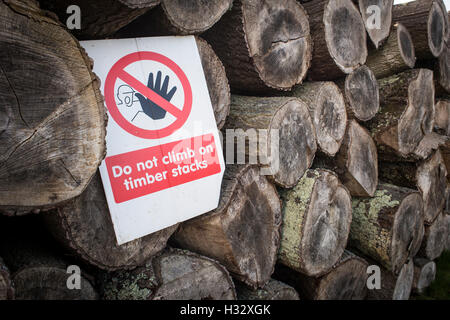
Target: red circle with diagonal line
{"x": 118, "y": 72}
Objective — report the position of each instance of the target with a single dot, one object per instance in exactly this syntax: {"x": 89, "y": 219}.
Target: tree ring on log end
{"x": 297, "y": 142}
{"x": 361, "y": 89}
{"x": 406, "y": 46}
{"x": 194, "y": 16}
{"x": 431, "y": 181}
{"x": 278, "y": 38}
{"x": 436, "y": 29}
{"x": 404, "y": 282}
{"x": 407, "y": 231}
{"x": 330, "y": 118}
{"x": 345, "y": 34}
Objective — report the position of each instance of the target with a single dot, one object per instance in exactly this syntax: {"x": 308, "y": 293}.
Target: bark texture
{"x": 427, "y": 22}
{"x": 243, "y": 233}
{"x": 100, "y": 18}
{"x": 389, "y": 227}
{"x": 316, "y": 222}
{"x": 173, "y": 275}
{"x": 273, "y": 290}
{"x": 52, "y": 121}
{"x": 396, "y": 55}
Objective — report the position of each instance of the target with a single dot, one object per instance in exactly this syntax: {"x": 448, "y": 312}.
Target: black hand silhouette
{"x": 150, "y": 108}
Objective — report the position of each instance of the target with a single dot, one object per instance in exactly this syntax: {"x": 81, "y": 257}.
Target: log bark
{"x": 316, "y": 222}
{"x": 389, "y": 227}
{"x": 442, "y": 117}
{"x": 380, "y": 33}
{"x": 273, "y": 290}
{"x": 403, "y": 126}
{"x": 84, "y": 227}
{"x": 100, "y": 18}
{"x": 361, "y": 93}
{"x": 394, "y": 287}
{"x": 6, "y": 288}
{"x": 356, "y": 162}
{"x": 396, "y": 55}
{"x": 346, "y": 281}
{"x": 52, "y": 123}
{"x": 217, "y": 81}
{"x": 173, "y": 275}
{"x": 327, "y": 109}
{"x": 435, "y": 238}
{"x": 177, "y": 17}
{"x": 443, "y": 66}
{"x": 424, "y": 274}
{"x": 39, "y": 269}
{"x": 243, "y": 233}
{"x": 270, "y": 41}
{"x": 287, "y": 140}
{"x": 339, "y": 38}
{"x": 427, "y": 22}
{"x": 428, "y": 176}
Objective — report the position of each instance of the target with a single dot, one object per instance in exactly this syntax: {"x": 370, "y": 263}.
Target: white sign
{"x": 164, "y": 161}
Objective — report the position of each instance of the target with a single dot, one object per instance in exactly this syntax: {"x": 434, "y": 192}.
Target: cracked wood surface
{"x": 52, "y": 123}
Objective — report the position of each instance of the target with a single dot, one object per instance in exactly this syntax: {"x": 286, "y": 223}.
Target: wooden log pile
{"x": 360, "y": 175}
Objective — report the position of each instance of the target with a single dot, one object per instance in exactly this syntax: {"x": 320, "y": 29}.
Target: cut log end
{"x": 173, "y": 275}
{"x": 345, "y": 35}
{"x": 84, "y": 226}
{"x": 431, "y": 179}
{"x": 437, "y": 32}
{"x": 316, "y": 223}
{"x": 406, "y": 46}
{"x": 216, "y": 79}
{"x": 194, "y": 16}
{"x": 380, "y": 33}
{"x": 389, "y": 227}
{"x": 297, "y": 143}
{"x": 435, "y": 238}
{"x": 404, "y": 282}
{"x": 442, "y": 117}
{"x": 54, "y": 89}
{"x": 418, "y": 118}
{"x": 361, "y": 90}
{"x": 424, "y": 274}
{"x": 278, "y": 38}
{"x": 359, "y": 161}
{"x": 444, "y": 67}
{"x": 408, "y": 230}
{"x": 243, "y": 233}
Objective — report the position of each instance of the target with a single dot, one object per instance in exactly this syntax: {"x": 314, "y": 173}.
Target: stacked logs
{"x": 342, "y": 163}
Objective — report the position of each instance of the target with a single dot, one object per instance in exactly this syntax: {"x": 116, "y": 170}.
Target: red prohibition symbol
{"x": 118, "y": 72}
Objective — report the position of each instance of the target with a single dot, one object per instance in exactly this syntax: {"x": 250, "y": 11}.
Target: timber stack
{"x": 350, "y": 170}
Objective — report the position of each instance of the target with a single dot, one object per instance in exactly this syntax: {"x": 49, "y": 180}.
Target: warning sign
{"x": 164, "y": 163}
